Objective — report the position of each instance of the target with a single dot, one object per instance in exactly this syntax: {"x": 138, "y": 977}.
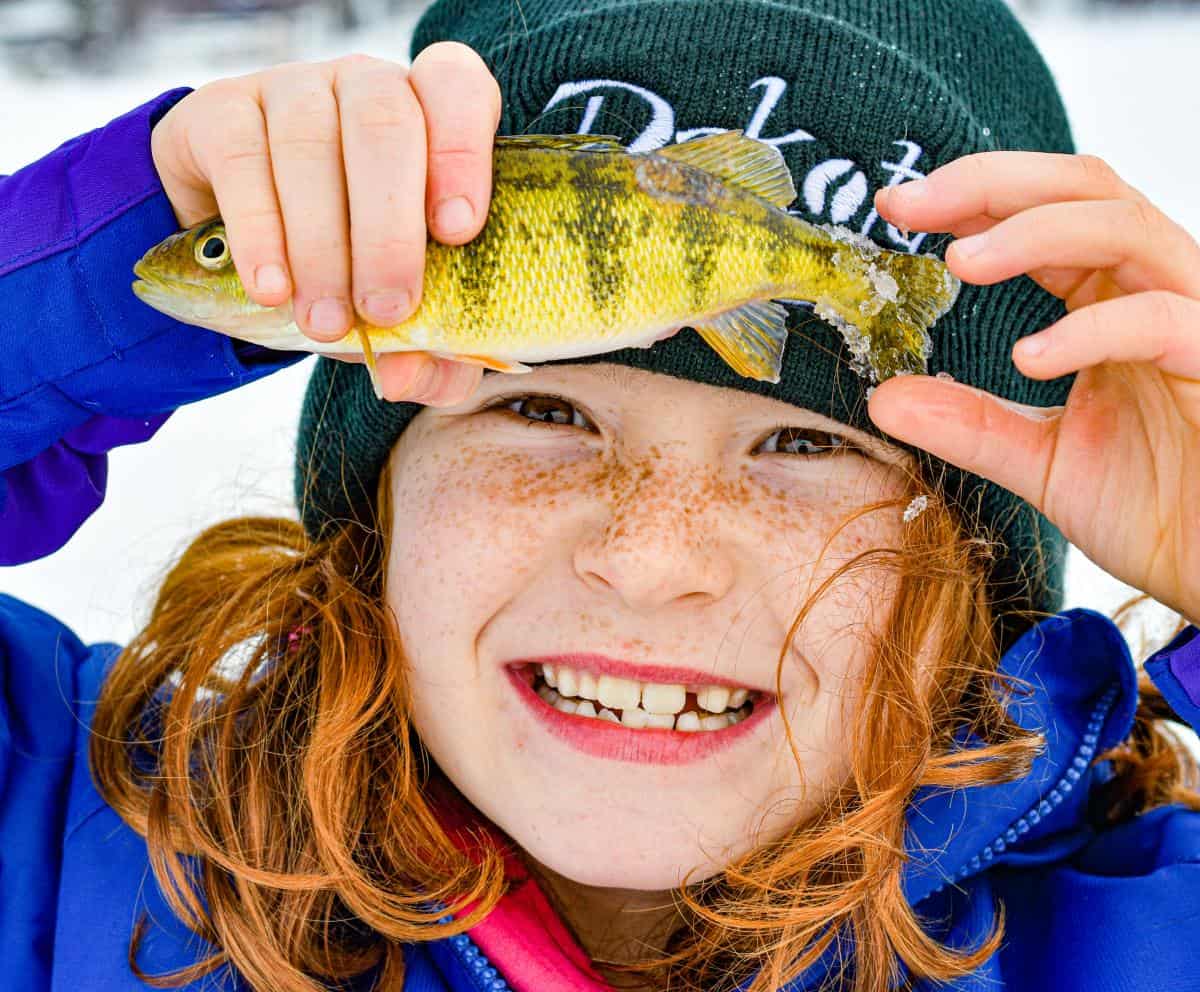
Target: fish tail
{"x": 887, "y": 326}
{"x": 925, "y": 292}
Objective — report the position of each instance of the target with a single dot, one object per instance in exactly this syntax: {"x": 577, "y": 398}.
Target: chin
{"x": 611, "y": 865}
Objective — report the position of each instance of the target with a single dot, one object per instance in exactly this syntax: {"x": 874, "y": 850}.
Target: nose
{"x": 662, "y": 543}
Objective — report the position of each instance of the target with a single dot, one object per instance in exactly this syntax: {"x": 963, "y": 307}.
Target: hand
{"x": 327, "y": 174}
{"x": 1118, "y": 468}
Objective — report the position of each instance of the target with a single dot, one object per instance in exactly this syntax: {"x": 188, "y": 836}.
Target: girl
{"x": 628, "y": 672}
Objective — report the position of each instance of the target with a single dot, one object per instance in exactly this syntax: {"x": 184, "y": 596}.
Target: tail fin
{"x": 889, "y": 333}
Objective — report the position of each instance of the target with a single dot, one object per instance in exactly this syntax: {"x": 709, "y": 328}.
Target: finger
{"x": 306, "y": 155}
{"x": 383, "y": 142}
{"x": 418, "y": 377}
{"x": 1009, "y": 443}
{"x": 455, "y": 381}
{"x": 461, "y": 100}
{"x": 1160, "y": 328}
{"x": 1141, "y": 246}
{"x": 999, "y": 185}
{"x": 234, "y": 153}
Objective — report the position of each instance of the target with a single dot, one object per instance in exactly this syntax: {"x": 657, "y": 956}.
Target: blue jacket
{"x": 86, "y": 367}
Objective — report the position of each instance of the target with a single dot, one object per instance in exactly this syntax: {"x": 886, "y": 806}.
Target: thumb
{"x": 1009, "y": 443}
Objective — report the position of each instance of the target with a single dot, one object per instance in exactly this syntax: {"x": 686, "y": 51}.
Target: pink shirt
{"x": 523, "y": 936}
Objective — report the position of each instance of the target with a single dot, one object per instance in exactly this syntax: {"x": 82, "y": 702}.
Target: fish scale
{"x": 588, "y": 249}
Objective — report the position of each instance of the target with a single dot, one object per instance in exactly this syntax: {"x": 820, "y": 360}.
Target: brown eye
{"x": 547, "y": 410}
{"x": 804, "y": 441}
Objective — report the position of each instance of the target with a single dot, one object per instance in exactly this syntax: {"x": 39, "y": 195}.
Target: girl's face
{"x": 655, "y": 538}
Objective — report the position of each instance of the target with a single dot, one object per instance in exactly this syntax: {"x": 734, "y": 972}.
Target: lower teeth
{"x": 638, "y": 719}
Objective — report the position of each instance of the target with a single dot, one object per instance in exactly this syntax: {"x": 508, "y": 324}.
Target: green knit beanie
{"x": 857, "y": 95}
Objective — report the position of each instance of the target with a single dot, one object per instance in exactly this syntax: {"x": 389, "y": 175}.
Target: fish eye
{"x": 212, "y": 252}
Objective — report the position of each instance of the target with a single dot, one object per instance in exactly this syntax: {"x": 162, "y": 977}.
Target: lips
{"x": 604, "y": 665}
{"x": 617, "y": 742}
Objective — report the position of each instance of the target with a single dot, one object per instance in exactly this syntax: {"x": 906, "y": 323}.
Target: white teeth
{"x": 620, "y": 694}
{"x": 659, "y": 698}
{"x": 568, "y": 681}
{"x": 636, "y": 718}
{"x": 587, "y": 686}
{"x": 661, "y": 706}
{"x": 715, "y": 699}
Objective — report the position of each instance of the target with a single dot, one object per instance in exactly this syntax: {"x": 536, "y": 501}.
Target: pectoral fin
{"x": 495, "y": 364}
{"x": 750, "y": 338}
{"x": 369, "y": 358}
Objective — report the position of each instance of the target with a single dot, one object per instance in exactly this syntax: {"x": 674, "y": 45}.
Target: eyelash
{"x": 504, "y": 404}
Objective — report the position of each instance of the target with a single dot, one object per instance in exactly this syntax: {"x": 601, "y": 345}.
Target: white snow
{"x": 1129, "y": 82}
{"x": 914, "y": 509}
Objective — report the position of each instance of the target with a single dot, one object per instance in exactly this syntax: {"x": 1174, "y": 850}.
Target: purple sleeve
{"x": 87, "y": 366}
{"x": 44, "y": 501}
{"x": 1176, "y": 671}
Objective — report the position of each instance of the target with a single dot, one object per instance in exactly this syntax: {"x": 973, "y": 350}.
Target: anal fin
{"x": 750, "y": 338}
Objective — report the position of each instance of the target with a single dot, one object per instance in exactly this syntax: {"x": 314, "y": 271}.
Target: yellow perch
{"x": 589, "y": 249}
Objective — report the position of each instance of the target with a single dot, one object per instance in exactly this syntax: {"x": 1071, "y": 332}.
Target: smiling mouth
{"x": 640, "y": 706}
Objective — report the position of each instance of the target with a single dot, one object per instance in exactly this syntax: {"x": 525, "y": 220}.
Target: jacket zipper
{"x": 485, "y": 975}
{"x": 1080, "y": 762}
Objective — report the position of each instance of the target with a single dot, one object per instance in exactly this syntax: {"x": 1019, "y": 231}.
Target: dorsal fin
{"x": 740, "y": 161}
{"x": 562, "y": 142}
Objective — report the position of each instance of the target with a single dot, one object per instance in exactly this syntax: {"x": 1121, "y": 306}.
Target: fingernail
{"x": 1034, "y": 345}
{"x": 270, "y": 279}
{"x": 453, "y": 216}
{"x": 972, "y": 246}
{"x": 388, "y": 306}
{"x": 420, "y": 389}
{"x": 328, "y": 316}
{"x": 912, "y": 191}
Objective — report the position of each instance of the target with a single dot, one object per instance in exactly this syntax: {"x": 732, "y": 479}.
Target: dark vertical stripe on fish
{"x": 600, "y": 226}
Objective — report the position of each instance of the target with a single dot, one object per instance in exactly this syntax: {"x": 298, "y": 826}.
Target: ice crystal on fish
{"x": 918, "y": 506}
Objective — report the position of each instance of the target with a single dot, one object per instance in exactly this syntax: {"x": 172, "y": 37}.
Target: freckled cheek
{"x": 466, "y": 523}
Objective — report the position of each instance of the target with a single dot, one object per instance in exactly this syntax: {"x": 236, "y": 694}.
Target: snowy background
{"x": 1129, "y": 79}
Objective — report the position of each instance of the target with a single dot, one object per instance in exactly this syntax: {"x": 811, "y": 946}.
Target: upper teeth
{"x": 643, "y": 704}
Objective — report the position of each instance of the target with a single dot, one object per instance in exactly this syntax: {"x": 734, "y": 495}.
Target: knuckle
{"x": 260, "y": 222}
{"x": 455, "y": 157}
{"x": 391, "y": 263}
{"x": 1097, "y": 174}
{"x": 1145, "y": 218}
{"x": 380, "y": 102}
{"x": 231, "y": 131}
{"x": 976, "y": 166}
{"x": 315, "y": 279}
{"x": 356, "y": 60}
{"x": 1166, "y": 309}
{"x": 304, "y": 144}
